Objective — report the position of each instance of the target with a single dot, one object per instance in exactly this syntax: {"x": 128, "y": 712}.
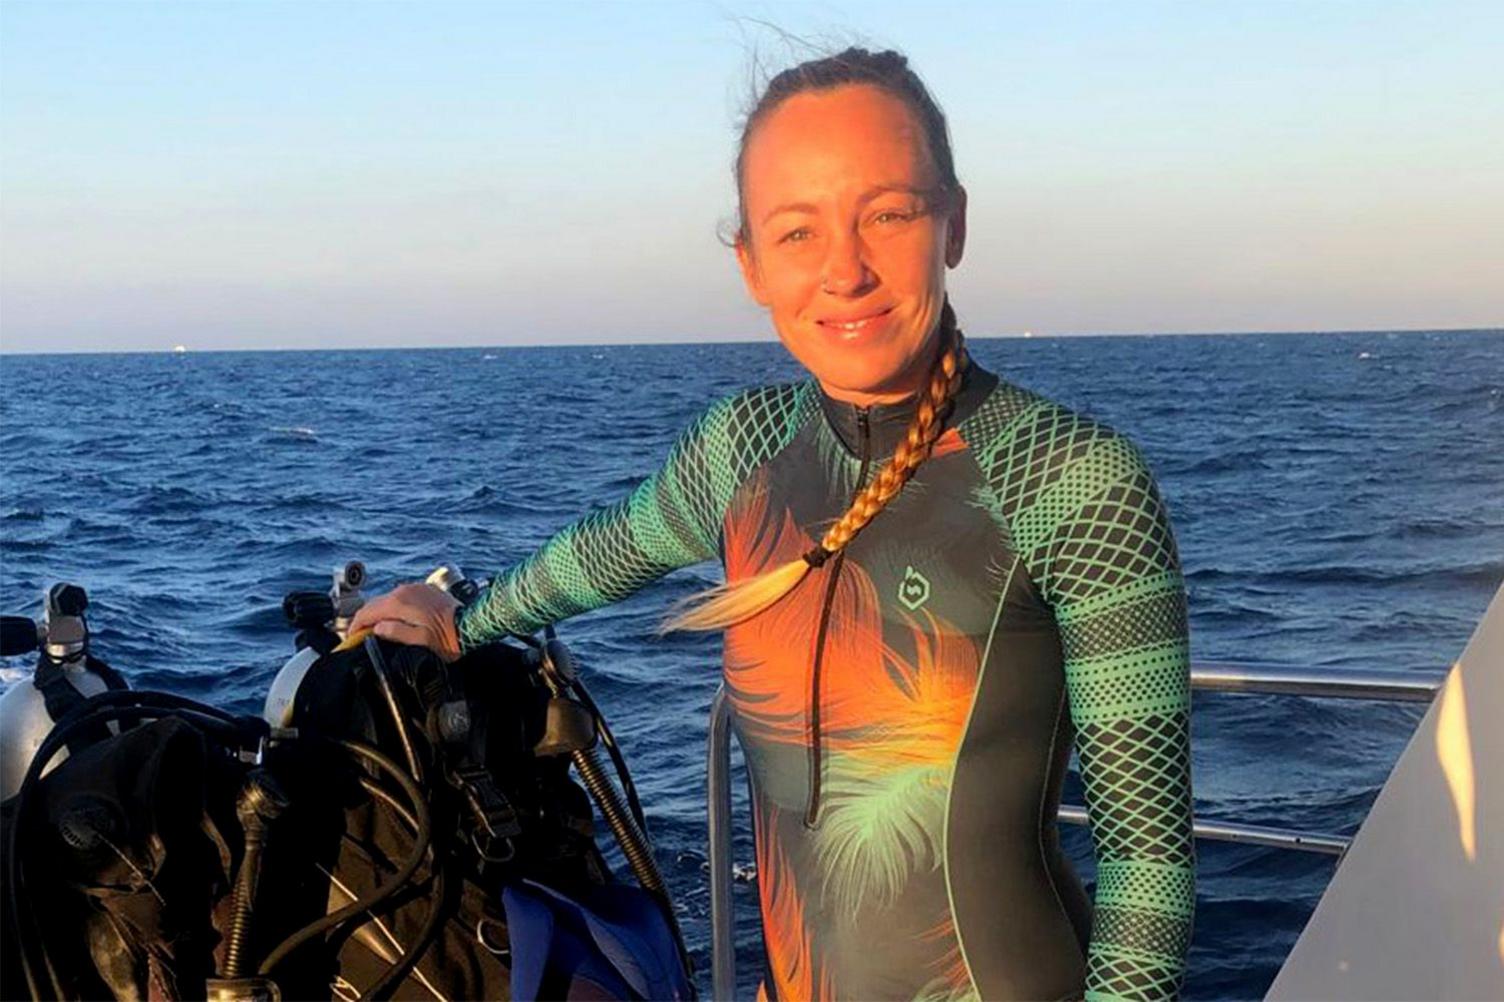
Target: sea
{"x": 1338, "y": 501}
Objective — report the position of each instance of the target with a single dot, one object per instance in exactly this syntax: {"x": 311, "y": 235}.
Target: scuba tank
{"x": 66, "y": 674}
{"x": 321, "y": 620}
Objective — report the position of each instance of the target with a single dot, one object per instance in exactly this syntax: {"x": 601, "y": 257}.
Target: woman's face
{"x": 848, "y": 238}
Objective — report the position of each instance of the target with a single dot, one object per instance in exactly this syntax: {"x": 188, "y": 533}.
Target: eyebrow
{"x": 867, "y": 196}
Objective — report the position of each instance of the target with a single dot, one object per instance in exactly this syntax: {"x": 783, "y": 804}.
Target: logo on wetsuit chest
{"x": 914, "y": 589}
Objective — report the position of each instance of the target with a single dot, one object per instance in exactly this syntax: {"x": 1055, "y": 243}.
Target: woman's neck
{"x": 861, "y": 399}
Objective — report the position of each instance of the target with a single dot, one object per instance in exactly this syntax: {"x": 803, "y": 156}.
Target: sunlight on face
{"x": 849, "y": 238}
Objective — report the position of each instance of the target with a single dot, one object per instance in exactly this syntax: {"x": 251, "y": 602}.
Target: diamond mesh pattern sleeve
{"x": 1085, "y": 515}
{"x": 671, "y": 520}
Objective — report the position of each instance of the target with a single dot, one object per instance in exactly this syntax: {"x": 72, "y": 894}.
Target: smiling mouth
{"x": 855, "y": 326}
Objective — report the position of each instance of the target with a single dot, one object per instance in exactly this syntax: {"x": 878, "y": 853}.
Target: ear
{"x": 751, "y": 276}
{"x": 955, "y": 241}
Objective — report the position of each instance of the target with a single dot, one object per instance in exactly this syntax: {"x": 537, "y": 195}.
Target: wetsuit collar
{"x": 887, "y": 423}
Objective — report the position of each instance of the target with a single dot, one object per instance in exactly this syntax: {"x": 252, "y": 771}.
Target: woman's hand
{"x": 413, "y": 613}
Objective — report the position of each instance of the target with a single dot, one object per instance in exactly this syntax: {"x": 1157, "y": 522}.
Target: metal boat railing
{"x": 1416, "y": 687}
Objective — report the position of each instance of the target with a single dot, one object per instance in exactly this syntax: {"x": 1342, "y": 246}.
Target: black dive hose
{"x": 630, "y": 830}
{"x": 104, "y": 708}
{"x": 633, "y": 843}
{"x": 379, "y": 894}
{"x": 389, "y": 982}
{"x": 384, "y": 682}
{"x": 260, "y": 802}
{"x": 410, "y": 956}
{"x": 603, "y": 730}
{"x": 396, "y": 972}
{"x": 381, "y": 793}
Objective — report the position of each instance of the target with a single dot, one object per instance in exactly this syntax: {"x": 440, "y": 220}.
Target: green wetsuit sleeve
{"x": 672, "y": 520}
{"x": 1107, "y": 564}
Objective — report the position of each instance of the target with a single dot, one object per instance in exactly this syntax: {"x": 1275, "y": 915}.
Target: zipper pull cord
{"x": 820, "y": 554}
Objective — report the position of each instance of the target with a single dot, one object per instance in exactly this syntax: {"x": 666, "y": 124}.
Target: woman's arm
{"x": 671, "y": 520}
{"x": 1111, "y": 572}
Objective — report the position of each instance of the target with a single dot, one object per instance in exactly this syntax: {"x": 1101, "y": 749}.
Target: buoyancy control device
{"x": 394, "y": 826}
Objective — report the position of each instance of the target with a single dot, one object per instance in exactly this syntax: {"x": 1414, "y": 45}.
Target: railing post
{"x": 1231, "y": 831}
{"x": 1340, "y": 683}
{"x": 718, "y": 782}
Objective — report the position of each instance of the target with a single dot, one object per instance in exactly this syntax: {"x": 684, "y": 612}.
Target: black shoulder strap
{"x": 112, "y": 679}
{"x": 60, "y": 696}
{"x": 458, "y": 732}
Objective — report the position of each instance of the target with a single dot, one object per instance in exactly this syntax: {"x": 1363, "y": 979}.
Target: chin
{"x": 879, "y": 369}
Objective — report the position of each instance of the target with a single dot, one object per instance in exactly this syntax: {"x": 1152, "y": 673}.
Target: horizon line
{"x": 1019, "y": 336}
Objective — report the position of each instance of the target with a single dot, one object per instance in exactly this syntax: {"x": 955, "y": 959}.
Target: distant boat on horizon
{"x": 179, "y": 348}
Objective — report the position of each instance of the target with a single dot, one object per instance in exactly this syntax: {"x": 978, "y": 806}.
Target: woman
{"x": 937, "y": 581}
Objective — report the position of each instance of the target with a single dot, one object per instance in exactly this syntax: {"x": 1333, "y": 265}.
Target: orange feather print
{"x": 797, "y": 975}
{"x": 891, "y": 711}
{"x": 895, "y": 724}
{"x": 767, "y": 657}
{"x": 953, "y": 977}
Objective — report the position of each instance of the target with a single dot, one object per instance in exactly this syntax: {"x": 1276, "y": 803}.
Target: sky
{"x": 394, "y": 174}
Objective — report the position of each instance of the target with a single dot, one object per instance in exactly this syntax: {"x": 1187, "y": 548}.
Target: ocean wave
{"x": 292, "y": 503}
{"x": 1449, "y": 527}
{"x": 156, "y": 500}
{"x": 490, "y": 501}
{"x": 293, "y": 433}
{"x": 1477, "y": 573}
{"x": 1234, "y": 461}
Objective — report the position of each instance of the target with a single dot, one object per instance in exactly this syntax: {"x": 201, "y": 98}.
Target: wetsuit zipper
{"x": 812, "y": 811}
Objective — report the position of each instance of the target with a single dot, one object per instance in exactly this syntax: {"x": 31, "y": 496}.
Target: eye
{"x": 795, "y": 236}
{"x": 887, "y": 217}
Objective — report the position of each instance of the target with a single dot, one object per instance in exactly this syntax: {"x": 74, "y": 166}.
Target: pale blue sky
{"x": 327, "y": 174}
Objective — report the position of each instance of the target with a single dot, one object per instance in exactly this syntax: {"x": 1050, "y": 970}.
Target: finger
{"x": 447, "y": 644}
{"x": 409, "y": 592}
{"x": 381, "y": 607}
{"x": 402, "y": 632}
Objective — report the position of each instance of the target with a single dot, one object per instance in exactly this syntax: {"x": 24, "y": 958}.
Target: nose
{"x": 845, "y": 271}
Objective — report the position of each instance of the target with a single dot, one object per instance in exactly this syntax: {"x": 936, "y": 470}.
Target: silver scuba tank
{"x": 344, "y": 599}
{"x": 25, "y": 719}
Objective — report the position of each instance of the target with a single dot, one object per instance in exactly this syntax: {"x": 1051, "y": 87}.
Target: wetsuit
{"x": 908, "y": 710}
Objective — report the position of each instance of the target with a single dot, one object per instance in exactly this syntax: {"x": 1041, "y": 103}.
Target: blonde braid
{"x": 918, "y": 443}
{"x": 725, "y": 604}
